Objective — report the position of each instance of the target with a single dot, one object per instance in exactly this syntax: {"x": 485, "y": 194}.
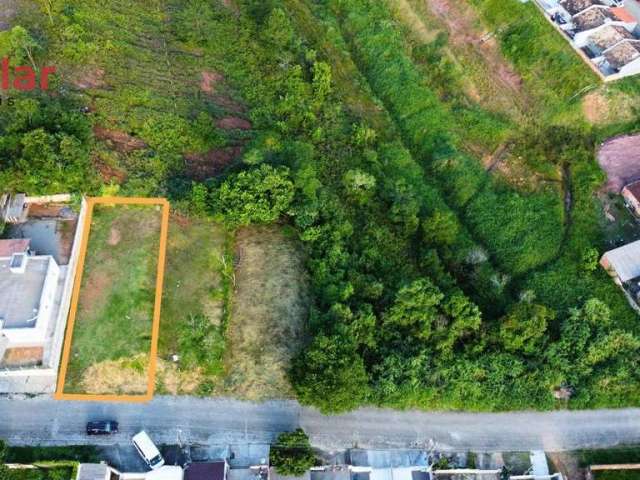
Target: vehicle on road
{"x": 147, "y": 450}
{"x": 105, "y": 427}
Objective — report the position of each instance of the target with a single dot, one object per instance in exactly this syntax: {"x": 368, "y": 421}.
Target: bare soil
{"x": 207, "y": 165}
{"x": 619, "y": 157}
{"x": 462, "y": 23}
{"x": 114, "y": 237}
{"x": 89, "y": 79}
{"x": 109, "y": 173}
{"x": 22, "y": 357}
{"x": 120, "y": 141}
{"x": 232, "y": 123}
{"x": 210, "y": 81}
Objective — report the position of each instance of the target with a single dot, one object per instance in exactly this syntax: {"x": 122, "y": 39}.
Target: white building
{"x": 29, "y": 286}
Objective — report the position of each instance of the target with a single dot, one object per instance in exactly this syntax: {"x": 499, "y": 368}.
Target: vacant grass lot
{"x": 269, "y": 313}
{"x": 194, "y": 307}
{"x": 115, "y": 310}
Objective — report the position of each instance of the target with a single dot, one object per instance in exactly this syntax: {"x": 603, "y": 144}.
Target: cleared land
{"x": 620, "y": 158}
{"x": 113, "y": 324}
{"x": 194, "y": 306}
{"x": 269, "y": 313}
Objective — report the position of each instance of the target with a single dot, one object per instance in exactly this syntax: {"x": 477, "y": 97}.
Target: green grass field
{"x": 113, "y": 324}
{"x": 195, "y": 305}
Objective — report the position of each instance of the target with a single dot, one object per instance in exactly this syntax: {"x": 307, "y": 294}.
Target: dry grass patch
{"x": 269, "y": 313}
{"x": 605, "y": 106}
{"x": 123, "y": 376}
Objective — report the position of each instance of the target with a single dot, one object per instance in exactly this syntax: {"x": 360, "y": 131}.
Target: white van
{"x": 147, "y": 450}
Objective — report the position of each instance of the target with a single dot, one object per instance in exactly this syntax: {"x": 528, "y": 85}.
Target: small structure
{"x": 623, "y": 263}
{"x": 631, "y": 194}
{"x": 13, "y": 208}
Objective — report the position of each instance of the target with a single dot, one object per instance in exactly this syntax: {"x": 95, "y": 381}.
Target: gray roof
{"x": 625, "y": 260}
{"x": 92, "y": 471}
{"x": 20, "y": 293}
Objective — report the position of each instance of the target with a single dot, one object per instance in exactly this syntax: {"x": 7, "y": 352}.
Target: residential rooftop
{"x": 577, "y": 6}
{"x": 607, "y": 36}
{"x": 20, "y": 293}
{"x": 620, "y": 55}
{"x": 593, "y": 17}
{"x": 625, "y": 261}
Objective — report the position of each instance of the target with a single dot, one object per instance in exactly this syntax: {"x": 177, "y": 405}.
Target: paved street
{"x": 42, "y": 420}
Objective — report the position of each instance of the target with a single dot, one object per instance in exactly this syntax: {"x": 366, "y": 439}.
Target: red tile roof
{"x": 623, "y": 14}
{"x": 9, "y": 247}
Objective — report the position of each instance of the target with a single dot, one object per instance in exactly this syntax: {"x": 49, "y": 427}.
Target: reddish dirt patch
{"x": 121, "y": 141}
{"x": 90, "y": 79}
{"x": 47, "y": 210}
{"x": 231, "y": 123}
{"x": 108, "y": 173}
{"x": 210, "y": 80}
{"x": 619, "y": 157}
{"x": 461, "y": 22}
{"x": 212, "y": 163}
{"x": 114, "y": 237}
{"x": 22, "y": 357}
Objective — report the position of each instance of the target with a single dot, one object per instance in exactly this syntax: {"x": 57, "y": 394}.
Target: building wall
{"x": 37, "y": 335}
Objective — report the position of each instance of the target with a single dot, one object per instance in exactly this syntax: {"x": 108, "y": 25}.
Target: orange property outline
{"x": 164, "y": 231}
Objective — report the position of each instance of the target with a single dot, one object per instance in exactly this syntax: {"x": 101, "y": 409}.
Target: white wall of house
{"x": 37, "y": 335}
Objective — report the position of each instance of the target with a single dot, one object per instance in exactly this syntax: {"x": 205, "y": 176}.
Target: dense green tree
{"x": 259, "y": 195}
{"x": 331, "y": 375}
{"x": 524, "y": 328}
{"x": 291, "y": 454}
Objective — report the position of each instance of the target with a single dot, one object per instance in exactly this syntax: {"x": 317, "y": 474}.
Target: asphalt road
{"x": 42, "y": 420}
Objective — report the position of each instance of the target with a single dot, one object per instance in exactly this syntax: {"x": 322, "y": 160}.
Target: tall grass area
{"x": 553, "y": 72}
{"x": 425, "y": 124}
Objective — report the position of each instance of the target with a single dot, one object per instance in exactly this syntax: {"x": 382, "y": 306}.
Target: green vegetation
{"x": 450, "y": 244}
{"x": 115, "y": 308}
{"x": 195, "y": 306}
{"x": 292, "y": 455}
{"x": 47, "y": 463}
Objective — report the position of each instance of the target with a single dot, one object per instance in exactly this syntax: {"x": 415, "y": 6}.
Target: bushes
{"x": 292, "y": 455}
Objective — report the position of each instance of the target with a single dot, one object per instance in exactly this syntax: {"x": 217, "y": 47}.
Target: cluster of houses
{"x": 604, "y": 32}
{"x": 359, "y": 465}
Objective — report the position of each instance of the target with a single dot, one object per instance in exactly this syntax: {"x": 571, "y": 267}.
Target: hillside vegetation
{"x": 451, "y": 247}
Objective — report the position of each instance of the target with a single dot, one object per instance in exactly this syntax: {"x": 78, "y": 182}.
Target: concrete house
{"x": 28, "y": 293}
{"x": 37, "y": 266}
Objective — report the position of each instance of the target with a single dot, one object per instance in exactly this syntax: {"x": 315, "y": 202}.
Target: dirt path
{"x": 503, "y": 85}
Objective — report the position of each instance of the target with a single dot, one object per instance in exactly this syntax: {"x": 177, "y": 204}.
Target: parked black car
{"x": 102, "y": 428}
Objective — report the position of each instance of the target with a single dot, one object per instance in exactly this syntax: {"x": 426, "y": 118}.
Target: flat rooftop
{"x": 20, "y": 292}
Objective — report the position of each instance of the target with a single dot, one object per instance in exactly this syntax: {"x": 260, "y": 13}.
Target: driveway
{"x": 207, "y": 422}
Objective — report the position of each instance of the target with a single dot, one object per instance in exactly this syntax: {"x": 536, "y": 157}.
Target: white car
{"x": 148, "y": 450}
